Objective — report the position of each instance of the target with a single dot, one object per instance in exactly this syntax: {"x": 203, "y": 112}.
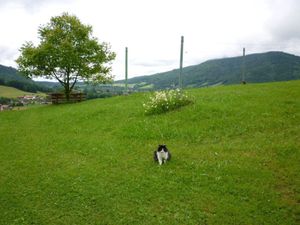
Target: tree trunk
{"x": 67, "y": 93}
{"x": 67, "y": 86}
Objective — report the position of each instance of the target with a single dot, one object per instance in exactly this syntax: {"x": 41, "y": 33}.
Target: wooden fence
{"x": 60, "y": 98}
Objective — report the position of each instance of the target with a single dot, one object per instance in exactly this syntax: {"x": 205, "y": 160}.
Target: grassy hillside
{"x": 235, "y": 160}
{"x": 263, "y": 67}
{"x": 10, "y": 92}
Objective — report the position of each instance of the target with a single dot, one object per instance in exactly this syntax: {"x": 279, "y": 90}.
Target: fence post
{"x": 181, "y": 62}
{"x": 126, "y": 69}
{"x": 243, "y": 68}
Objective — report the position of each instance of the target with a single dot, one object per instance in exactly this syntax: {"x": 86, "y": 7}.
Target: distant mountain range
{"x": 9, "y": 76}
{"x": 263, "y": 67}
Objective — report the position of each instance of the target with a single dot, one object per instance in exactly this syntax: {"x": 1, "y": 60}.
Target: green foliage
{"x": 93, "y": 91}
{"x": 164, "y": 101}
{"x": 10, "y": 101}
{"x": 264, "y": 67}
{"x": 5, "y": 101}
{"x": 235, "y": 160}
{"x": 67, "y": 52}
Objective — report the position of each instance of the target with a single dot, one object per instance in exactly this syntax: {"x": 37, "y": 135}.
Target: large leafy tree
{"x": 67, "y": 52}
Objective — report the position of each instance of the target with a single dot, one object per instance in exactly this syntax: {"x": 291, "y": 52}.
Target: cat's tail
{"x": 155, "y": 156}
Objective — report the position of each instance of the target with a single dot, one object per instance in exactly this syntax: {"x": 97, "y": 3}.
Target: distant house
{"x": 32, "y": 99}
{"x": 27, "y": 99}
{"x": 5, "y": 107}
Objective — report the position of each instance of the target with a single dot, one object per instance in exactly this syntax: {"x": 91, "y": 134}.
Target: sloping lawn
{"x": 235, "y": 160}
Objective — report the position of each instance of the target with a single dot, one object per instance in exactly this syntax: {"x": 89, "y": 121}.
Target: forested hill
{"x": 9, "y": 76}
{"x": 263, "y": 67}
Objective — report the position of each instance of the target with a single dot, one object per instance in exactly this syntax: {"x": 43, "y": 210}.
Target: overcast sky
{"x": 151, "y": 29}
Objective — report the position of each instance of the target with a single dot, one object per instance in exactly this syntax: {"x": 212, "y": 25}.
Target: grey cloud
{"x": 7, "y": 55}
{"x": 25, "y": 3}
{"x": 32, "y": 5}
{"x": 284, "y": 22}
{"x": 153, "y": 63}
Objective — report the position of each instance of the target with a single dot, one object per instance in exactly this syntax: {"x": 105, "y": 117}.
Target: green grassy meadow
{"x": 235, "y": 160}
{"x": 11, "y": 92}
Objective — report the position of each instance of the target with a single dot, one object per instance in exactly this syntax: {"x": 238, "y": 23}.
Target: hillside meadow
{"x": 260, "y": 67}
{"x": 235, "y": 160}
{"x": 11, "y": 92}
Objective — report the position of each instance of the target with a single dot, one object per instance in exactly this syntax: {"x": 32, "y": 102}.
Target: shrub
{"x": 164, "y": 101}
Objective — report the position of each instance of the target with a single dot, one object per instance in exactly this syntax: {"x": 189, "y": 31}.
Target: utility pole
{"x": 126, "y": 69}
{"x": 243, "y": 68}
{"x": 181, "y": 60}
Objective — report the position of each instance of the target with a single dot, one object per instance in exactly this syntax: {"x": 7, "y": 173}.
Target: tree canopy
{"x": 67, "y": 52}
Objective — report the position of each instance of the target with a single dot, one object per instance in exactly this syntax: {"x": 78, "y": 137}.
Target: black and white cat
{"x": 162, "y": 154}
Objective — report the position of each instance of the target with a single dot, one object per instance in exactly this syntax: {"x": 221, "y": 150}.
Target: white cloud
{"x": 152, "y": 29}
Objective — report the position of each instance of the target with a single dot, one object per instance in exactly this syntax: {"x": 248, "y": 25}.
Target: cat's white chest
{"x": 162, "y": 157}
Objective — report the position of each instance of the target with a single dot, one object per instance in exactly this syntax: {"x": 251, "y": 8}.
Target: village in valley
{"x": 22, "y": 102}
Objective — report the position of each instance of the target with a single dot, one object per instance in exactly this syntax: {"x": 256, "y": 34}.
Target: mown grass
{"x": 235, "y": 160}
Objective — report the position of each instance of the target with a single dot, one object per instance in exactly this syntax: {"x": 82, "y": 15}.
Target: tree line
{"x": 24, "y": 86}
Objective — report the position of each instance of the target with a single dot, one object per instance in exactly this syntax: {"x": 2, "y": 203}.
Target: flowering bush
{"x": 163, "y": 101}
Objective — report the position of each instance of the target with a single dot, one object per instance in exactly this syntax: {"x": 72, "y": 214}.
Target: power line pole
{"x": 243, "y": 68}
{"x": 126, "y": 69}
{"x": 181, "y": 61}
